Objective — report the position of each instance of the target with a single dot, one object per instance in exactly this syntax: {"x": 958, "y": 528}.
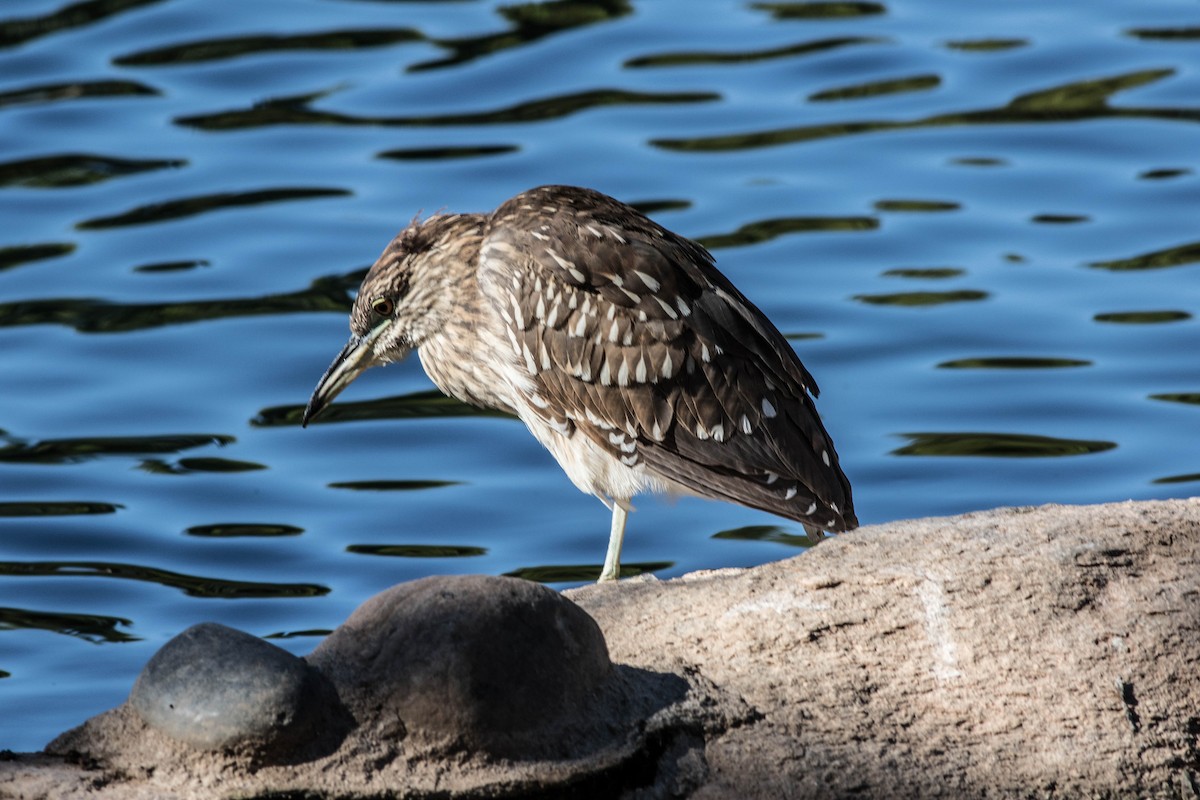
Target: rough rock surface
{"x": 1033, "y": 652}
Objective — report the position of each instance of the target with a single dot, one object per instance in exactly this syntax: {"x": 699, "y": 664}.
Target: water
{"x": 976, "y": 220}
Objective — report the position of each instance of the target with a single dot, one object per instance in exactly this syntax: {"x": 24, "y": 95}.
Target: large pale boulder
{"x": 1033, "y": 652}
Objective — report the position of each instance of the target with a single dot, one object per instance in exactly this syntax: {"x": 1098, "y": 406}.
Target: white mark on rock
{"x": 937, "y": 628}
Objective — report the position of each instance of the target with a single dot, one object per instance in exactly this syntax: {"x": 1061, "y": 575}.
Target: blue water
{"x": 978, "y": 221}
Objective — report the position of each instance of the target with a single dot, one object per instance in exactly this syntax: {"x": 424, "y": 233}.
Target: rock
{"x": 470, "y": 661}
{"x": 1016, "y": 653}
{"x": 214, "y": 687}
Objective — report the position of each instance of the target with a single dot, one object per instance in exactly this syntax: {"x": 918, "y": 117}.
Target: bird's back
{"x": 629, "y": 336}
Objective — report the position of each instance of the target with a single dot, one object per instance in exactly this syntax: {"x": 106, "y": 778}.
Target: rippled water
{"x": 976, "y": 221}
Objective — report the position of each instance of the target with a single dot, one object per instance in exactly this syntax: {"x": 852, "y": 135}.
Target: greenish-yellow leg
{"x": 612, "y": 561}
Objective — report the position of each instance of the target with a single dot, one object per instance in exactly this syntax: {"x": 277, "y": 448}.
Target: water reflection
{"x": 1013, "y": 362}
{"x": 98, "y": 316}
{"x": 54, "y": 508}
{"x": 529, "y": 23}
{"x": 584, "y": 573}
{"x": 1158, "y": 259}
{"x": 769, "y": 533}
{"x": 233, "y": 47}
{"x": 193, "y": 585}
{"x": 417, "y": 550}
{"x": 19, "y": 30}
{"x": 987, "y": 45}
{"x": 296, "y": 110}
{"x": 1188, "y": 398}
{"x": 1059, "y": 219}
{"x": 94, "y": 628}
{"x": 1142, "y": 317}
{"x": 908, "y": 205}
{"x": 921, "y": 299}
{"x": 820, "y": 10}
{"x": 191, "y": 206}
{"x": 75, "y": 90}
{"x": 1164, "y": 173}
{"x": 1066, "y": 103}
{"x": 929, "y": 273}
{"x": 55, "y": 172}
{"x": 418, "y": 405}
{"x": 185, "y": 466}
{"x": 997, "y": 445}
{"x": 17, "y": 255}
{"x": 232, "y": 530}
{"x": 768, "y": 229}
{"x": 392, "y": 486}
{"x": 861, "y": 91}
{"x": 448, "y": 152}
{"x": 66, "y": 451}
{"x": 703, "y": 58}
{"x": 171, "y": 266}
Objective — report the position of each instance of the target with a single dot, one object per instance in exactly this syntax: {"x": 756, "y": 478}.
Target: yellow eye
{"x": 383, "y": 306}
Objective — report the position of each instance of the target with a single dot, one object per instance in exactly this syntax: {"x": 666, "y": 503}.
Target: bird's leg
{"x": 612, "y": 561}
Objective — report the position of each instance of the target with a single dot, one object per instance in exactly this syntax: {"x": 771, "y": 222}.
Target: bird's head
{"x": 406, "y": 297}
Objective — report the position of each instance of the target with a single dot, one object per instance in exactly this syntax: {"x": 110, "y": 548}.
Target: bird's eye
{"x": 383, "y": 306}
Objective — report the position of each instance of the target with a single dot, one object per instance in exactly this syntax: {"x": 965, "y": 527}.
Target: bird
{"x": 618, "y": 343}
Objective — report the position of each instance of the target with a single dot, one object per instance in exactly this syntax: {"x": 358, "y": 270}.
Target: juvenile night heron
{"x": 619, "y": 344}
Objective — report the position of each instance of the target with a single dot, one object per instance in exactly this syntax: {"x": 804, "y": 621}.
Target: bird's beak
{"x": 355, "y": 359}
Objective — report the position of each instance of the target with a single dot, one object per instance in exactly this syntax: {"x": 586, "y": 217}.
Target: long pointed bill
{"x": 355, "y": 359}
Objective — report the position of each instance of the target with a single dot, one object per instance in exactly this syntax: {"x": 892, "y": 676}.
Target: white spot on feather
{"x": 768, "y": 408}
{"x": 811, "y": 510}
{"x": 746, "y": 424}
{"x": 718, "y": 433}
{"x": 790, "y": 493}
{"x": 639, "y": 372}
{"x": 825, "y": 457}
{"x": 666, "y": 307}
{"x": 623, "y": 374}
{"x": 651, "y": 284}
{"x": 668, "y": 367}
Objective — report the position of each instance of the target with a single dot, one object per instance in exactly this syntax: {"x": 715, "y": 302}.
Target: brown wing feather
{"x": 631, "y": 334}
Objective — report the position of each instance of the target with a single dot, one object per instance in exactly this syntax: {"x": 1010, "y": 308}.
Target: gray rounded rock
{"x": 498, "y": 664}
{"x": 214, "y": 687}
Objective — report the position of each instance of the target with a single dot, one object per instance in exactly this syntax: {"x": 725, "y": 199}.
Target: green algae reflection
{"x": 1070, "y": 102}
{"x": 921, "y": 299}
{"x": 65, "y": 451}
{"x": 1142, "y": 317}
{"x": 1158, "y": 259}
{"x": 582, "y": 573}
{"x": 417, "y": 550}
{"x": 769, "y": 533}
{"x": 1013, "y": 362}
{"x": 193, "y": 585}
{"x": 55, "y": 508}
{"x": 418, "y": 405}
{"x": 997, "y": 445}
{"x": 707, "y": 58}
{"x": 95, "y": 628}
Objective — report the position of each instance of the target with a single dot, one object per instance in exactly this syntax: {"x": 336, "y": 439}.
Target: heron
{"x": 618, "y": 343}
